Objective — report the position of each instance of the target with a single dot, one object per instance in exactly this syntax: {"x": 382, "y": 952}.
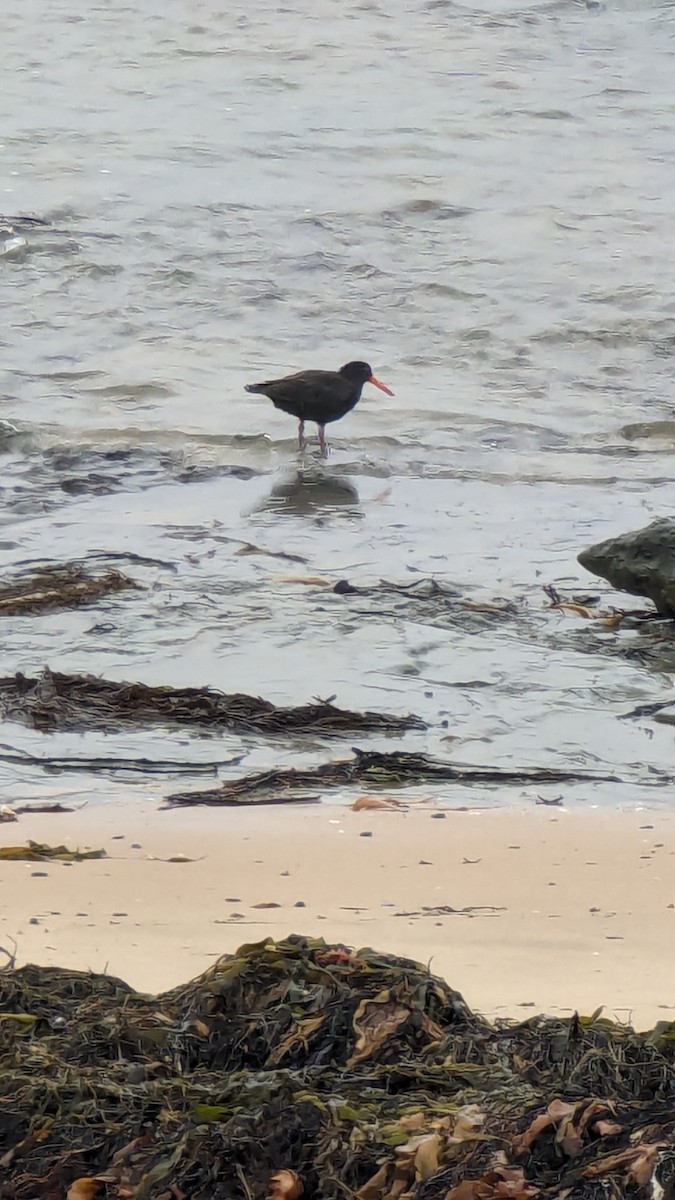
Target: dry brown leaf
{"x": 375, "y": 1020}
{"x": 568, "y": 1138}
{"x": 614, "y": 621}
{"x": 467, "y": 1123}
{"x": 593, "y": 1111}
{"x": 124, "y": 1154}
{"x": 579, "y": 609}
{"x": 513, "y": 1182}
{"x": 469, "y": 1189}
{"x": 367, "y": 802}
{"x": 642, "y": 1168}
{"x": 84, "y": 1188}
{"x": 620, "y": 1158}
{"x": 399, "y": 1190}
{"x": 572, "y": 1131}
{"x": 606, "y": 1128}
{"x": 555, "y": 1112}
{"x": 522, "y": 1143}
{"x": 403, "y": 1177}
{"x": 339, "y": 957}
{"x": 298, "y": 1036}
{"x": 285, "y": 1185}
{"x": 443, "y": 1124}
{"x": 373, "y": 1189}
{"x": 426, "y": 1158}
{"x": 640, "y": 1161}
{"x": 558, "y": 1109}
{"x": 503, "y": 1183}
{"x": 413, "y": 1121}
{"x": 432, "y": 1028}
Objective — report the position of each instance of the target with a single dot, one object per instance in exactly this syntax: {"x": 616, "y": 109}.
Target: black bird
{"x": 320, "y": 396}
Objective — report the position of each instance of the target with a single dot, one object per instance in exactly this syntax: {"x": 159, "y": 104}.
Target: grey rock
{"x": 641, "y": 562}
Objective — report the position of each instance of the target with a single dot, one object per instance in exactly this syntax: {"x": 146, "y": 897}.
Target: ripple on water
{"x": 495, "y": 252}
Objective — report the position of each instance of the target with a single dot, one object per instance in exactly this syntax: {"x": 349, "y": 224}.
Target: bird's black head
{"x": 357, "y": 372}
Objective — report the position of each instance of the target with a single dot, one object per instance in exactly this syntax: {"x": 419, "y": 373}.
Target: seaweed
{"x": 65, "y": 585}
{"x": 41, "y": 852}
{"x": 395, "y": 770}
{"x": 296, "y": 1066}
{"x": 427, "y": 602}
{"x": 53, "y": 700}
{"x": 114, "y": 765}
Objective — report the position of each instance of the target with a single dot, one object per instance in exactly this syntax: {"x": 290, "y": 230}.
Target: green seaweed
{"x": 377, "y": 1082}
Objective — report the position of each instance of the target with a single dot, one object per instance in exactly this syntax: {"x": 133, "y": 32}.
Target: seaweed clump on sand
{"x": 298, "y": 1067}
{"x": 397, "y": 769}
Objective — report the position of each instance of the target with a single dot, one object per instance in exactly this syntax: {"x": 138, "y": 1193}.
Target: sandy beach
{"x": 543, "y": 910}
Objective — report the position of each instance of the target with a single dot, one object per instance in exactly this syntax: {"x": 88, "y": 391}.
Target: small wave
{"x": 95, "y": 270}
{"x": 550, "y": 114}
{"x": 67, "y": 376}
{"x": 366, "y": 271}
{"x": 435, "y": 210}
{"x": 266, "y": 293}
{"x": 623, "y": 333}
{"x": 452, "y": 293}
{"x": 318, "y": 261}
{"x": 131, "y": 391}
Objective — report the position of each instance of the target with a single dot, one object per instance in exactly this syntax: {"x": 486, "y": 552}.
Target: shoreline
{"x": 554, "y": 909}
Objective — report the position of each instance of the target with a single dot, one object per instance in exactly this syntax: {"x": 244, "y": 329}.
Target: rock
{"x": 642, "y": 563}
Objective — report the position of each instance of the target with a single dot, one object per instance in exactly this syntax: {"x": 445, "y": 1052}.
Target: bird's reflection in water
{"x": 313, "y": 493}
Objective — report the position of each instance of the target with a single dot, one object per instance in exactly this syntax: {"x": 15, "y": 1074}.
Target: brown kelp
{"x": 59, "y": 585}
{"x": 297, "y": 1066}
{"x": 54, "y": 700}
{"x": 397, "y": 769}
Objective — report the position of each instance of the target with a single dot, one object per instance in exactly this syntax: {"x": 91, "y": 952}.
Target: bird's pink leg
{"x": 322, "y": 442}
{"x": 302, "y": 440}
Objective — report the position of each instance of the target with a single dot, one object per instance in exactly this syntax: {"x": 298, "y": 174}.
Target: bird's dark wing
{"x": 309, "y": 395}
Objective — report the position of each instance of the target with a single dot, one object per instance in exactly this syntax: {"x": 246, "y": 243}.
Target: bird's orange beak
{"x": 382, "y": 386}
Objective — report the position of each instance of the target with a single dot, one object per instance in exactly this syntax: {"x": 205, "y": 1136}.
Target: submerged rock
{"x": 641, "y": 562}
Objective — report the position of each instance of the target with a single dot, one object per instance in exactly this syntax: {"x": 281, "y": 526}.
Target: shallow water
{"x": 476, "y": 200}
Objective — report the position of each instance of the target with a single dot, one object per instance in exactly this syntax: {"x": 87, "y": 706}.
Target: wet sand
{"x": 555, "y": 910}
